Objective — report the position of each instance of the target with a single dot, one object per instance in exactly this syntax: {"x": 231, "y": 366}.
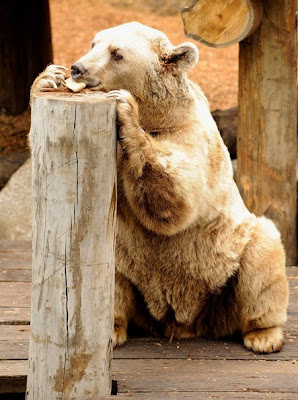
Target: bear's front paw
{"x": 266, "y": 340}
{"x": 127, "y": 108}
{"x": 52, "y": 78}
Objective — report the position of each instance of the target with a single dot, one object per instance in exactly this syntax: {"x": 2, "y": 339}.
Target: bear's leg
{"x": 130, "y": 308}
{"x": 124, "y": 306}
{"x": 262, "y": 289}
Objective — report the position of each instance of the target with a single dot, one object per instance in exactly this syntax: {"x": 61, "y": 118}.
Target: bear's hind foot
{"x": 267, "y": 340}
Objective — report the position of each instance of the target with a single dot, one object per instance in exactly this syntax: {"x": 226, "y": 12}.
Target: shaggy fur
{"x": 191, "y": 260}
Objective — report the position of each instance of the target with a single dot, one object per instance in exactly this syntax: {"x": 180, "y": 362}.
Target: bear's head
{"x": 136, "y": 58}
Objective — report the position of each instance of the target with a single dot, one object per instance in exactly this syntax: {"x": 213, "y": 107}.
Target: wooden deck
{"x": 152, "y": 369}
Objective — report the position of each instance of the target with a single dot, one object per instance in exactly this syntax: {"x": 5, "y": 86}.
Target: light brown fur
{"x": 190, "y": 259}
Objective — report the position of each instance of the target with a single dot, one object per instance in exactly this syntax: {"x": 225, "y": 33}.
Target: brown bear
{"x": 191, "y": 260}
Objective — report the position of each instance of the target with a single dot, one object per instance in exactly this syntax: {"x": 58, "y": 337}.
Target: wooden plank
{"x": 15, "y": 245}
{"x": 267, "y": 120}
{"x": 156, "y": 348}
{"x": 15, "y": 275}
{"x": 201, "y": 349}
{"x": 14, "y": 332}
{"x": 175, "y": 395}
{"x": 205, "y": 376}
{"x": 10, "y": 261}
{"x": 160, "y": 349}
{"x": 16, "y": 255}
{"x": 162, "y": 377}
{"x": 13, "y": 376}
{"x": 14, "y": 349}
{"x": 15, "y": 294}
{"x": 14, "y": 316}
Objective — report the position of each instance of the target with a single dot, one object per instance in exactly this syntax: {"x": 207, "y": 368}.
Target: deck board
{"x": 153, "y": 368}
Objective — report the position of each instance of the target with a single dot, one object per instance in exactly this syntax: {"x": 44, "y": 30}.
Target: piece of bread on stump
{"x": 74, "y": 86}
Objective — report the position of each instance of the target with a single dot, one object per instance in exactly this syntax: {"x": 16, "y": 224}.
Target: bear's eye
{"x": 92, "y": 45}
{"x": 115, "y": 55}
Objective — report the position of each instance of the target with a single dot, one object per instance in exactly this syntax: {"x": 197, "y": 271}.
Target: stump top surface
{"x": 84, "y": 96}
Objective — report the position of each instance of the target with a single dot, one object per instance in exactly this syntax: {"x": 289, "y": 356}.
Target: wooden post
{"x": 74, "y": 214}
{"x": 25, "y": 51}
{"x": 267, "y": 122}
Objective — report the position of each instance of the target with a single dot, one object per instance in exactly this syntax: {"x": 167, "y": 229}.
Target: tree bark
{"x": 74, "y": 216}
{"x": 267, "y": 120}
{"x": 25, "y": 50}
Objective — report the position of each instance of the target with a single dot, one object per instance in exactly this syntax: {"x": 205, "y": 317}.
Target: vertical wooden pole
{"x": 74, "y": 214}
{"x": 25, "y": 50}
{"x": 267, "y": 125}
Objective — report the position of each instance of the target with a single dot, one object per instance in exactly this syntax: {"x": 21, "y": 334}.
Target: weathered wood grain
{"x": 14, "y": 349}
{"x": 15, "y": 246}
{"x": 221, "y": 23}
{"x": 14, "y": 316}
{"x": 206, "y": 376}
{"x": 14, "y": 263}
{"x": 13, "y": 376}
{"x": 160, "y": 349}
{"x": 15, "y": 294}
{"x": 195, "y": 377}
{"x": 175, "y": 395}
{"x": 14, "y": 332}
{"x": 15, "y": 275}
{"x": 267, "y": 120}
{"x": 74, "y": 209}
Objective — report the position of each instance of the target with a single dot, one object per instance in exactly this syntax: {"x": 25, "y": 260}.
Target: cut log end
{"x": 222, "y": 23}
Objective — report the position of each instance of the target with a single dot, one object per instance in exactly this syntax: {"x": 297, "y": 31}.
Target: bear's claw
{"x": 127, "y": 108}
{"x": 51, "y": 78}
{"x": 123, "y": 96}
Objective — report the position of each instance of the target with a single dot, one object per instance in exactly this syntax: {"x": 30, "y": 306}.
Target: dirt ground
{"x": 74, "y": 23}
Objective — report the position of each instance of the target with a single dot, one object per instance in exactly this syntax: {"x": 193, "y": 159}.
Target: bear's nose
{"x": 77, "y": 70}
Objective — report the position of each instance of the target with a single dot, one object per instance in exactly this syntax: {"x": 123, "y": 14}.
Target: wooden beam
{"x": 267, "y": 124}
{"x": 74, "y": 209}
{"x": 221, "y": 23}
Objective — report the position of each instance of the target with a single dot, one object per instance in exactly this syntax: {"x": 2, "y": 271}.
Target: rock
{"x": 9, "y": 163}
{"x": 227, "y": 124}
{"x": 16, "y": 205}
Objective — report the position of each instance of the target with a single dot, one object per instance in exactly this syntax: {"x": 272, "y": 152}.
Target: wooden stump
{"x": 267, "y": 120}
{"x": 221, "y": 23}
{"x": 74, "y": 215}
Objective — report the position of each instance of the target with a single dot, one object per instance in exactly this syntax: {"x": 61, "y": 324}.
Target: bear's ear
{"x": 182, "y": 57}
